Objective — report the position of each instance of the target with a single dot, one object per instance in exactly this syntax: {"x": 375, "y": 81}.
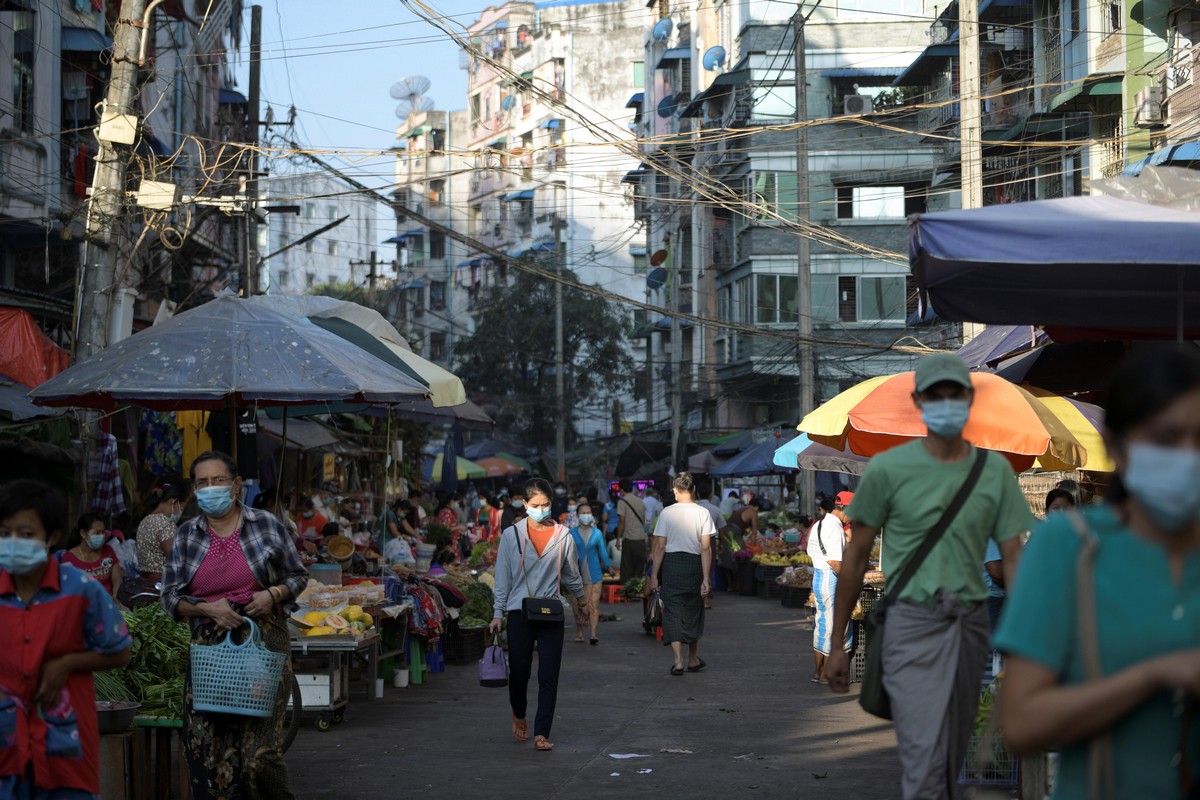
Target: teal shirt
{"x": 1141, "y": 613}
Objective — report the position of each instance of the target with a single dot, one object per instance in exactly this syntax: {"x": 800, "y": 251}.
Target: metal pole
{"x": 805, "y": 365}
{"x": 250, "y": 276}
{"x": 970, "y": 124}
{"x": 560, "y": 423}
{"x": 675, "y": 276}
{"x": 107, "y": 202}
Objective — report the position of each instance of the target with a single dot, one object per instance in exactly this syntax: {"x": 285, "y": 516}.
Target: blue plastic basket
{"x": 240, "y": 679}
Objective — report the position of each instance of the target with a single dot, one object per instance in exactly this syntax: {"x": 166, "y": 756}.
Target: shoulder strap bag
{"x": 872, "y": 696}
{"x": 541, "y": 610}
{"x": 641, "y": 520}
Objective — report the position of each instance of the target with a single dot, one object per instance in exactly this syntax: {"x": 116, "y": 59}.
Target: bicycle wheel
{"x": 291, "y": 720}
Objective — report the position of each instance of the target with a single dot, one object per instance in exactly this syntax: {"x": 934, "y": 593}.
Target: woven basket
{"x": 240, "y": 679}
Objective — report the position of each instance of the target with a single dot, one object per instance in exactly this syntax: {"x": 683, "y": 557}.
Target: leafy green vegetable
{"x": 158, "y": 657}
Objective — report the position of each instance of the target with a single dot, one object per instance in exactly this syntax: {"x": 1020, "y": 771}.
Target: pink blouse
{"x": 224, "y": 572}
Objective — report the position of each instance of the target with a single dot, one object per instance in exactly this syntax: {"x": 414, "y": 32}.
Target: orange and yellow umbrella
{"x": 879, "y": 413}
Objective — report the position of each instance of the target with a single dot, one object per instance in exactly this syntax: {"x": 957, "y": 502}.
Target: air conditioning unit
{"x": 1148, "y": 107}
{"x": 858, "y": 104}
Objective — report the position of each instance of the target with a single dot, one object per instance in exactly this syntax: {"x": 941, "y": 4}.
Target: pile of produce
{"x": 483, "y": 554}
{"x": 783, "y": 560}
{"x": 634, "y": 589}
{"x": 796, "y": 579}
{"x": 349, "y": 621}
{"x": 477, "y": 613}
{"x": 158, "y": 657}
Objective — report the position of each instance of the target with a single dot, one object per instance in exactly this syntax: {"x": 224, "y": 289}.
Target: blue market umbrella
{"x": 756, "y": 460}
{"x": 803, "y": 453}
{"x": 229, "y": 351}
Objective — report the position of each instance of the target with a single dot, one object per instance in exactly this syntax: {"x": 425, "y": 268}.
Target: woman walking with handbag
{"x": 683, "y": 552}
{"x": 536, "y": 555}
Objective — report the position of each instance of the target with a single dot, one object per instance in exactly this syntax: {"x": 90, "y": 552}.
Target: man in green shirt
{"x": 935, "y": 640}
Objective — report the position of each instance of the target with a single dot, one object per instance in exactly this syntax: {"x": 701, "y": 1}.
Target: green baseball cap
{"x": 942, "y": 367}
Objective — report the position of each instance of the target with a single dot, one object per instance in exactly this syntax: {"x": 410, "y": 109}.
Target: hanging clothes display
{"x": 162, "y": 451}
{"x": 105, "y": 476}
{"x": 195, "y": 438}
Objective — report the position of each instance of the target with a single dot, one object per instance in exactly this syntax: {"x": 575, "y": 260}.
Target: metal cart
{"x": 322, "y": 668}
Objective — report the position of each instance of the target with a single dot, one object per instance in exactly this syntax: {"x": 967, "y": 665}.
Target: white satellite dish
{"x": 410, "y": 92}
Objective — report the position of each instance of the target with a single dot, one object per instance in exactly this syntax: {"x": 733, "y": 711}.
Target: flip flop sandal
{"x": 542, "y": 744}
{"x": 699, "y": 666}
{"x": 520, "y": 729}
{"x": 676, "y": 671}
{"x": 595, "y": 641}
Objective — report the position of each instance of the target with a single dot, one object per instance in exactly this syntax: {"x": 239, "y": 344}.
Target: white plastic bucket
{"x": 400, "y": 678}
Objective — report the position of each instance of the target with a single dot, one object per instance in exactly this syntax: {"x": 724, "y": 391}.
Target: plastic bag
{"x": 398, "y": 551}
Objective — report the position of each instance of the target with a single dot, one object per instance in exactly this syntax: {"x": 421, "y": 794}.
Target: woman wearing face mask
{"x": 231, "y": 563}
{"x": 1130, "y": 717}
{"x": 513, "y": 513}
{"x": 156, "y": 529}
{"x": 56, "y": 629}
{"x": 88, "y": 550}
{"x": 535, "y": 555}
{"x": 593, "y": 563}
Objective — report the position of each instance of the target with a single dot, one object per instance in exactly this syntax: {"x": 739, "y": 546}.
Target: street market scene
{"x": 599, "y": 398}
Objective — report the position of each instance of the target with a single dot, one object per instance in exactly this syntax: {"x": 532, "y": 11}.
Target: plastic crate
{"x": 464, "y": 645}
{"x": 868, "y": 598}
{"x": 858, "y": 657}
{"x": 767, "y": 588}
{"x": 793, "y": 596}
{"x": 1001, "y": 772}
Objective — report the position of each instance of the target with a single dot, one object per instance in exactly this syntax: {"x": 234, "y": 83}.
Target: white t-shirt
{"x": 682, "y": 525}
{"x": 828, "y": 531}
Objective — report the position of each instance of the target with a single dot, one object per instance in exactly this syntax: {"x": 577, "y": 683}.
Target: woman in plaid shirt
{"x": 229, "y": 563}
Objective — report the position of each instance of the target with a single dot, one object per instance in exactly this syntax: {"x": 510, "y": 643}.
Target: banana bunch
{"x": 801, "y": 560}
{"x": 772, "y": 560}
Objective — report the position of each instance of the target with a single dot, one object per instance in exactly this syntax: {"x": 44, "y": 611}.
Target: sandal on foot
{"x": 595, "y": 640}
{"x": 699, "y": 665}
{"x": 676, "y": 671}
{"x": 543, "y": 744}
{"x": 520, "y": 729}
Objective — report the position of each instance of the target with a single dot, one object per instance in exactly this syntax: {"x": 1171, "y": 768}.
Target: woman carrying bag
{"x": 683, "y": 539}
{"x": 535, "y": 555}
{"x": 1100, "y": 628}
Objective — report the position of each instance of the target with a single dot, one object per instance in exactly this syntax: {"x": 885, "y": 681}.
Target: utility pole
{"x": 970, "y": 122}
{"x": 675, "y": 278}
{"x": 372, "y": 275}
{"x": 107, "y": 203}
{"x": 560, "y": 422}
{"x": 250, "y": 270}
{"x": 805, "y": 363}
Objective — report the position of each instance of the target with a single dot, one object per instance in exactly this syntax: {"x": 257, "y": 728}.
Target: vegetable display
{"x": 478, "y": 610}
{"x": 157, "y": 660}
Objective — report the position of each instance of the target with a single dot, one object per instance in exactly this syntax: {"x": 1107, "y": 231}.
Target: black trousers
{"x": 521, "y": 637}
{"x": 633, "y": 559}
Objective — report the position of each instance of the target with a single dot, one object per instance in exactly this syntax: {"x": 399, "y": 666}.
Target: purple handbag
{"x": 493, "y": 667}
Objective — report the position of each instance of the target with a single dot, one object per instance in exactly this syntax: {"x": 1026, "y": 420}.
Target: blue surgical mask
{"x": 95, "y": 540}
{"x": 178, "y": 515}
{"x": 572, "y": 507}
{"x": 1166, "y": 481}
{"x": 214, "y": 501}
{"x": 22, "y": 556}
{"x": 539, "y": 514}
{"x": 586, "y": 519}
{"x": 518, "y": 503}
{"x": 945, "y": 417}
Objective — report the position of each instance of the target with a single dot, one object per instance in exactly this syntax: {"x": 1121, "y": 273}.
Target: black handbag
{"x": 540, "y": 610}
{"x": 872, "y": 696}
{"x": 654, "y": 610}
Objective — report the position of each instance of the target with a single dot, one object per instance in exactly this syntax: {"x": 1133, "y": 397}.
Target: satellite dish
{"x": 666, "y": 107}
{"x": 714, "y": 58}
{"x": 406, "y": 107}
{"x": 410, "y": 87}
{"x": 658, "y": 258}
{"x": 657, "y": 278}
{"x": 662, "y": 29}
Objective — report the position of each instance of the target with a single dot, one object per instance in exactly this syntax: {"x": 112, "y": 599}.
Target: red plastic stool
{"x": 658, "y": 634}
{"x": 611, "y": 593}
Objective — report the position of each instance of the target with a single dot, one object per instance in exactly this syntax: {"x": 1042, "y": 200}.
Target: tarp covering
{"x": 998, "y": 342}
{"x": 757, "y": 460}
{"x": 27, "y": 356}
{"x": 1073, "y": 261}
{"x": 229, "y": 350}
{"x": 303, "y": 434}
{"x": 16, "y": 405}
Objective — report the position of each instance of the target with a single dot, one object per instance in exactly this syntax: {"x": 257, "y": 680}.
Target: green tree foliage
{"x": 509, "y": 361}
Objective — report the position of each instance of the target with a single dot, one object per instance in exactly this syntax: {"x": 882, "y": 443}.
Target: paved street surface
{"x": 752, "y": 721}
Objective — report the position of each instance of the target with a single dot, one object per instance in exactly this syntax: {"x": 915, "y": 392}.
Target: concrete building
{"x": 59, "y": 54}
{"x": 341, "y": 255}
{"x": 437, "y": 285}
{"x": 542, "y": 184}
{"x": 719, "y": 188}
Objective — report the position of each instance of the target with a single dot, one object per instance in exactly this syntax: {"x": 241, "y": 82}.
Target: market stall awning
{"x": 401, "y": 238}
{"x": 228, "y": 97}
{"x": 1184, "y": 153}
{"x": 863, "y": 72}
{"x": 551, "y": 123}
{"x": 1075, "y": 98}
{"x": 636, "y": 101}
{"x": 304, "y": 434}
{"x": 719, "y": 85}
{"x": 634, "y": 176}
{"x": 513, "y": 197}
{"x": 410, "y": 285}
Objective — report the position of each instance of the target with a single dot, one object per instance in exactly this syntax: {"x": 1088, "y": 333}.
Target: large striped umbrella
{"x": 1084, "y": 421}
{"x": 878, "y": 414}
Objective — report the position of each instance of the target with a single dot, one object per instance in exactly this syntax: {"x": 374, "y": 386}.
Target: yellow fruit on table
{"x": 315, "y": 617}
{"x": 366, "y": 620}
{"x": 336, "y": 622}
{"x": 352, "y": 613}
{"x": 320, "y": 630}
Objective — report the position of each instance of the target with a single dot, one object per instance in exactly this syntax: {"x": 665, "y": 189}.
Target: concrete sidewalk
{"x": 753, "y": 723}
